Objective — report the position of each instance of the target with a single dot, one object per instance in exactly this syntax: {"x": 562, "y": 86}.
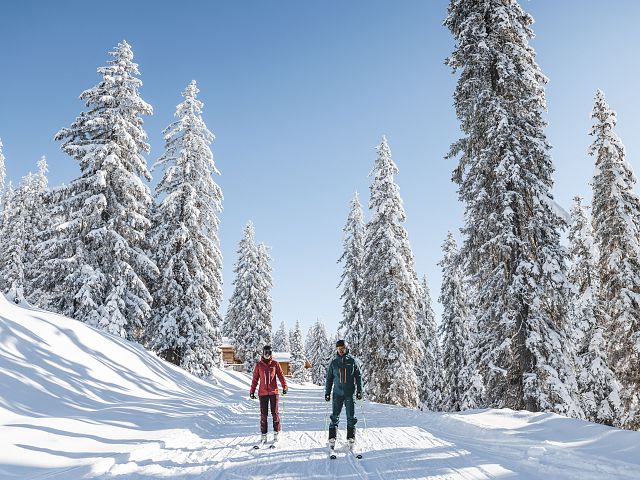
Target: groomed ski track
{"x": 78, "y": 403}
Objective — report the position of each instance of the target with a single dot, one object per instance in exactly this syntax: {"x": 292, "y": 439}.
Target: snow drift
{"x": 79, "y": 403}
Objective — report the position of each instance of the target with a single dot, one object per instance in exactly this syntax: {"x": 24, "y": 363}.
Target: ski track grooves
{"x": 216, "y": 444}
{"x": 407, "y": 445}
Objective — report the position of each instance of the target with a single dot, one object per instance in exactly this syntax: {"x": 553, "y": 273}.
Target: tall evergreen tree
{"x": 108, "y": 205}
{"x": 281, "y": 339}
{"x": 38, "y": 225}
{"x": 392, "y": 296}
{"x": 429, "y": 371}
{"x": 23, "y": 224}
{"x": 248, "y": 318}
{"x": 352, "y": 323}
{"x": 600, "y": 391}
{"x": 243, "y": 284}
{"x": 6, "y": 235}
{"x": 290, "y": 336}
{"x": 54, "y": 257}
{"x": 583, "y": 275}
{"x": 298, "y": 372}
{"x": 317, "y": 352}
{"x": 616, "y": 223}
{"x": 185, "y": 325}
{"x": 512, "y": 225}
{"x": 454, "y": 328}
{"x": 263, "y": 298}
{"x": 14, "y": 230}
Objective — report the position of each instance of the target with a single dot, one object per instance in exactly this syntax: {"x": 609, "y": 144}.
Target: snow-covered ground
{"x": 78, "y": 403}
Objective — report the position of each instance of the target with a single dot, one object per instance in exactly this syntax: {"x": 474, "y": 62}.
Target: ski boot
{"x": 263, "y": 441}
{"x": 351, "y": 436}
{"x": 332, "y": 437}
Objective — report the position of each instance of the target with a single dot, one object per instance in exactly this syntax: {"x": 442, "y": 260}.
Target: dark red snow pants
{"x": 265, "y": 400}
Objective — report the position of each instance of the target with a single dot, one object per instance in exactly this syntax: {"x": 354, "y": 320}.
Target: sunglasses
{"x": 267, "y": 353}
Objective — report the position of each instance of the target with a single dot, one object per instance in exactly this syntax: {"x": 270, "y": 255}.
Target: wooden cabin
{"x": 229, "y": 356}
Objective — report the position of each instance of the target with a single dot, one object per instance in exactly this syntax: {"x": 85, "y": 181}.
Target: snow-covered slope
{"x": 78, "y": 403}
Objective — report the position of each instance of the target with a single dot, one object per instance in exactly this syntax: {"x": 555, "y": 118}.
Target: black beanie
{"x": 340, "y": 343}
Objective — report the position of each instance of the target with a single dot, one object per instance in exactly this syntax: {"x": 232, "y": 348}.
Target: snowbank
{"x": 79, "y": 403}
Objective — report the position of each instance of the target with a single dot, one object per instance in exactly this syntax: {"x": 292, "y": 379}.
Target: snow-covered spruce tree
{"x": 290, "y": 339}
{"x": 392, "y": 293}
{"x": 616, "y": 225}
{"x": 109, "y": 204}
{"x": 240, "y": 301}
{"x": 38, "y": 225}
{"x": 317, "y": 352}
{"x": 184, "y": 327}
{"x": 454, "y": 328}
{"x": 512, "y": 227}
{"x": 263, "y": 300}
{"x": 12, "y": 237}
{"x": 25, "y": 222}
{"x": 429, "y": 371}
{"x": 298, "y": 372}
{"x": 472, "y": 380}
{"x": 583, "y": 275}
{"x": 281, "y": 339}
{"x": 248, "y": 318}
{"x": 54, "y": 258}
{"x": 599, "y": 389}
{"x": 352, "y": 323}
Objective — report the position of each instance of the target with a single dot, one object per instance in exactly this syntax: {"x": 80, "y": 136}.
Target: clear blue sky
{"x": 298, "y": 95}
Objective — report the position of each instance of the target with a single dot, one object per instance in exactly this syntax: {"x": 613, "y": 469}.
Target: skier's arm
{"x": 328, "y": 384}
{"x": 280, "y": 375}
{"x": 358, "y": 376}
{"x": 254, "y": 382}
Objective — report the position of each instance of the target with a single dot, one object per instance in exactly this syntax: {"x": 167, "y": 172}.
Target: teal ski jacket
{"x": 343, "y": 374}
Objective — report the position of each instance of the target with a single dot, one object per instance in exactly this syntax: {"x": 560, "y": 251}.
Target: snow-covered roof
{"x": 281, "y": 356}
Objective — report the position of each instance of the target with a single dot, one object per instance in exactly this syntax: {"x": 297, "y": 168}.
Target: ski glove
{"x": 327, "y": 397}
{"x": 253, "y": 396}
{"x": 284, "y": 391}
{"x": 359, "y": 395}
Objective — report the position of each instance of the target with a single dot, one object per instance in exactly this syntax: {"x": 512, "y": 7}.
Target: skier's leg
{"x": 274, "y": 412}
{"x": 351, "y": 419}
{"x": 335, "y": 417}
{"x": 338, "y": 401}
{"x": 264, "y": 411}
{"x": 350, "y": 408}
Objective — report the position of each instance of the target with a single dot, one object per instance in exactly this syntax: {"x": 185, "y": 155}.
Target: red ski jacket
{"x": 266, "y": 372}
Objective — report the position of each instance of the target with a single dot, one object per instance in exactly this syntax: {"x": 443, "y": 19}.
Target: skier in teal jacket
{"x": 343, "y": 374}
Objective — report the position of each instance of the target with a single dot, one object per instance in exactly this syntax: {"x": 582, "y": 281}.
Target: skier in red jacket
{"x": 266, "y": 372}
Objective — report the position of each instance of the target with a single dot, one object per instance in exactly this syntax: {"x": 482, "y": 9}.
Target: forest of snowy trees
{"x": 527, "y": 322}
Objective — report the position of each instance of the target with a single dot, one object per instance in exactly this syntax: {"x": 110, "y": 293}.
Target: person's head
{"x": 266, "y": 352}
{"x": 341, "y": 347}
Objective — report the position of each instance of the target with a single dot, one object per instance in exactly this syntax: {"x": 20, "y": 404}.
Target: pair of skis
{"x": 263, "y": 443}
{"x": 333, "y": 456}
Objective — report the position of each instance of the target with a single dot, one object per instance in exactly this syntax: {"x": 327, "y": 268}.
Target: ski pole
{"x": 364, "y": 418}
{"x": 326, "y": 416}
